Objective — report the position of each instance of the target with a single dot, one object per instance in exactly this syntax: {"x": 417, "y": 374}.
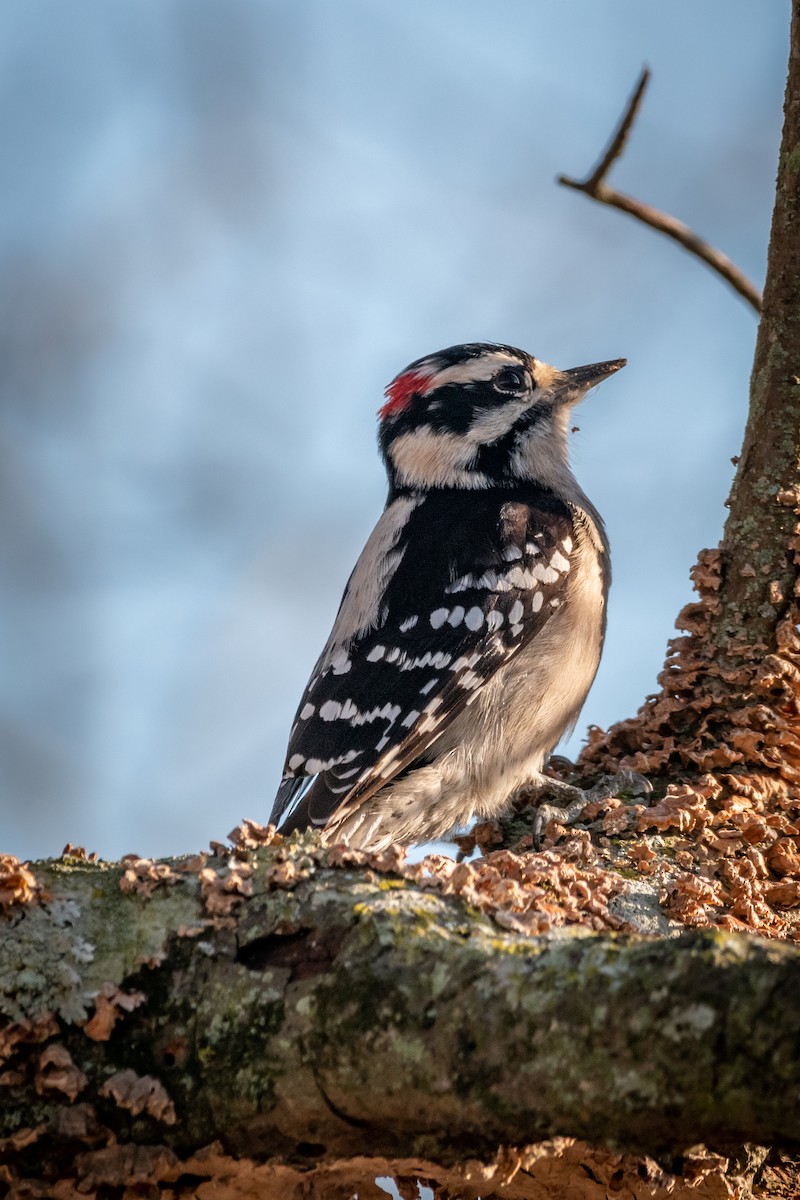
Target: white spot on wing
{"x": 308, "y": 710}
{"x": 510, "y": 553}
{"x": 430, "y": 684}
{"x": 340, "y": 663}
{"x": 536, "y": 601}
{"x": 438, "y": 617}
{"x": 296, "y": 761}
{"x": 517, "y": 610}
{"x": 474, "y": 618}
{"x": 519, "y": 577}
{"x": 440, "y": 659}
{"x": 465, "y": 663}
{"x": 494, "y": 620}
{"x": 470, "y": 680}
{"x": 559, "y": 562}
{"x": 456, "y": 616}
{"x": 330, "y": 710}
{"x": 545, "y": 574}
{"x": 376, "y": 654}
{"x": 409, "y": 623}
{"x": 411, "y": 718}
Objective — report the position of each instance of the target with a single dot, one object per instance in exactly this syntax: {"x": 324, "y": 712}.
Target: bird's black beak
{"x": 587, "y": 377}
{"x": 575, "y": 383}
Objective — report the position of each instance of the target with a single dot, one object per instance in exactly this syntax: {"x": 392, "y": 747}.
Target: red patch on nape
{"x": 401, "y": 390}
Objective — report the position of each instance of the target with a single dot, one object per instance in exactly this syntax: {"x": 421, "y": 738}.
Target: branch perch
{"x": 595, "y": 186}
{"x": 290, "y": 1010}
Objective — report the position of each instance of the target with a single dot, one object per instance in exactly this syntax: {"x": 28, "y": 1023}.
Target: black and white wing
{"x": 467, "y": 585}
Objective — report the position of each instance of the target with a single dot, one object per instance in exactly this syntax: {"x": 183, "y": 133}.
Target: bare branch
{"x": 618, "y": 139}
{"x": 595, "y": 186}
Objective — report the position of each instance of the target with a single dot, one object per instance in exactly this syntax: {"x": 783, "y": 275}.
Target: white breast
{"x": 525, "y": 709}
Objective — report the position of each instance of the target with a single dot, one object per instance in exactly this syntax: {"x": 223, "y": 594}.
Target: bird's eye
{"x": 509, "y": 380}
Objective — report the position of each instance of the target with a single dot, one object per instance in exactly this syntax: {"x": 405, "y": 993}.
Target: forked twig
{"x": 595, "y": 185}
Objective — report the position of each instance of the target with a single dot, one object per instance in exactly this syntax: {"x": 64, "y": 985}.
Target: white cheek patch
{"x": 428, "y": 458}
{"x": 493, "y": 423}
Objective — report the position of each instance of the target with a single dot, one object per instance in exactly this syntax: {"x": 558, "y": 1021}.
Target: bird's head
{"x": 481, "y": 414}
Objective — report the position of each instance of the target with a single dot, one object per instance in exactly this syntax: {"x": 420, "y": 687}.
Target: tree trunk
{"x": 729, "y": 696}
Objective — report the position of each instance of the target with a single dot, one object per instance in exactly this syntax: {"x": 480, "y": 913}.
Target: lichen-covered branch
{"x": 291, "y": 1009}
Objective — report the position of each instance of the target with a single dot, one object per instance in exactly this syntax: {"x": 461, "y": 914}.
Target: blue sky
{"x": 224, "y": 227}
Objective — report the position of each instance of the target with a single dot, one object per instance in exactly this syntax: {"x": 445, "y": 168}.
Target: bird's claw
{"x": 609, "y": 785}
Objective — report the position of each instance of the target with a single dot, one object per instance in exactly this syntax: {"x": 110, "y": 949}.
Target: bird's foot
{"x": 575, "y": 800}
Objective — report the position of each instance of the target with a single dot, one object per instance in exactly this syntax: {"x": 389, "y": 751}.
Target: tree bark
{"x": 761, "y": 522}
{"x": 730, "y": 694}
{"x": 337, "y": 1011}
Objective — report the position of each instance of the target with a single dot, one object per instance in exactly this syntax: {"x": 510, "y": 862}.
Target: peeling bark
{"x": 335, "y": 1010}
